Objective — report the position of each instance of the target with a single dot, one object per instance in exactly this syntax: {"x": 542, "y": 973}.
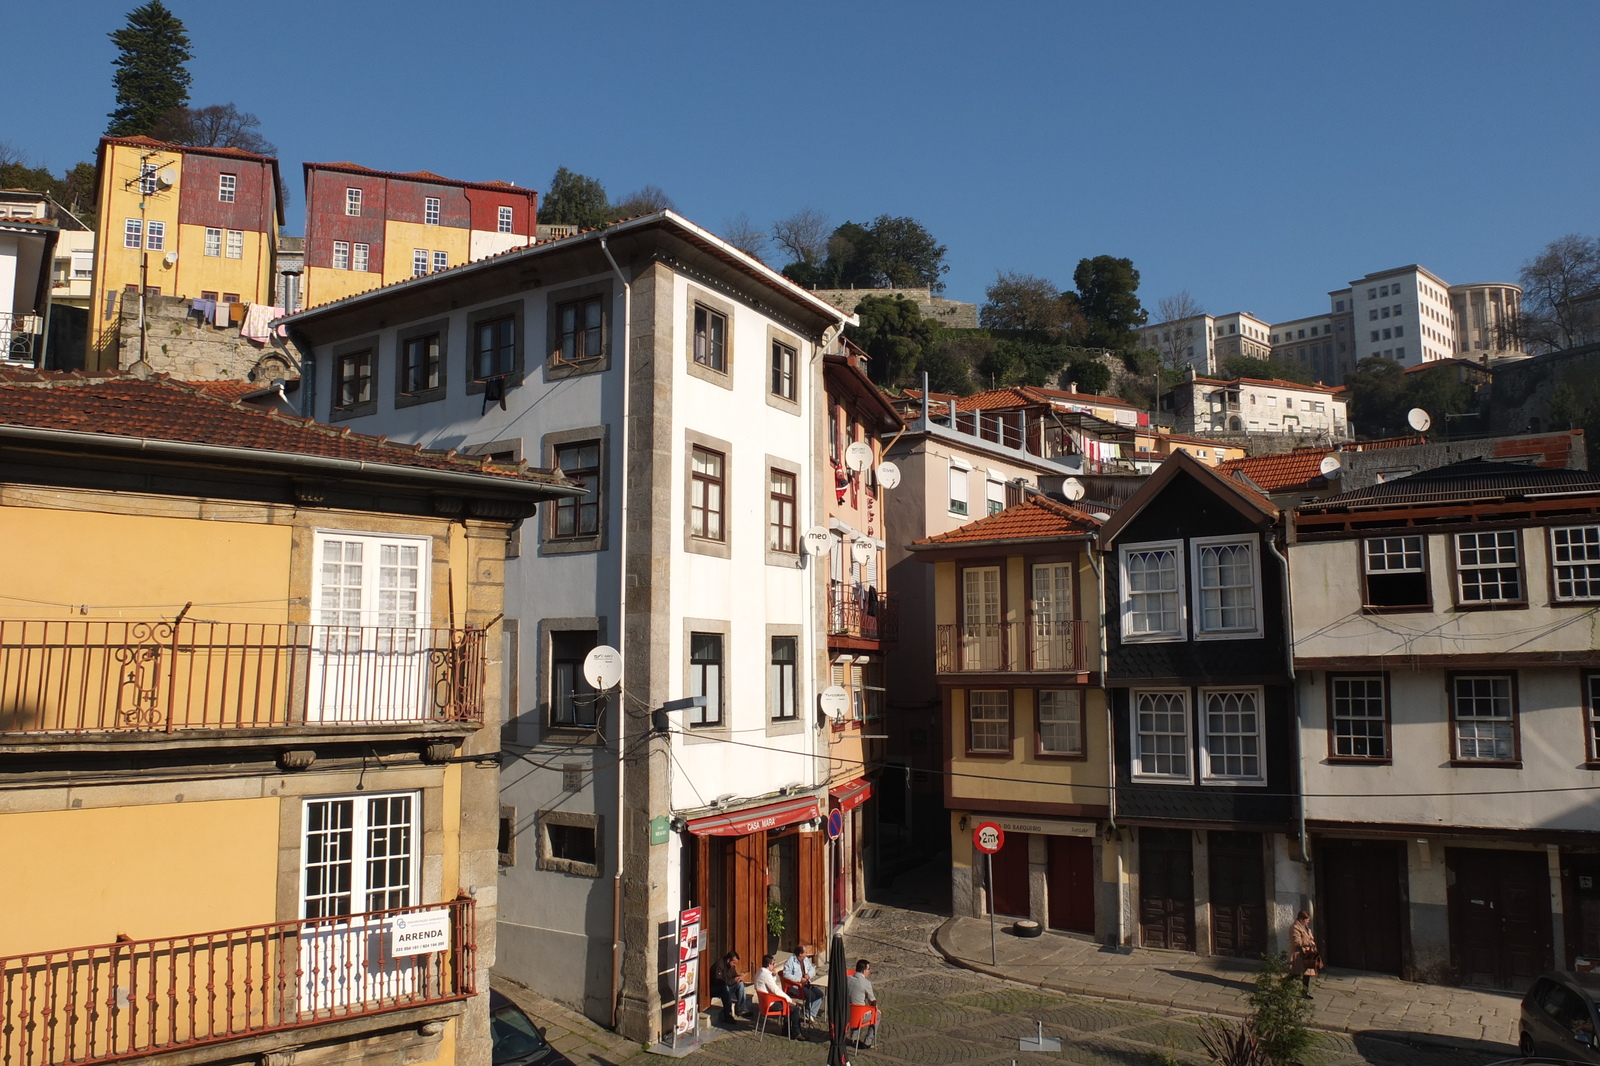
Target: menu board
{"x": 688, "y": 971}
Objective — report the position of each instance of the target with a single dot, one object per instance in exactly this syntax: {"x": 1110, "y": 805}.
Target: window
{"x": 1359, "y": 718}
{"x": 1591, "y": 713}
{"x": 783, "y": 678}
{"x": 352, "y": 202}
{"x": 133, "y": 233}
{"x": 1400, "y": 353}
{"x": 419, "y": 262}
{"x": 1575, "y": 562}
{"x": 147, "y": 178}
{"x": 958, "y": 489}
{"x": 1384, "y": 312}
{"x": 496, "y": 349}
{"x": 1487, "y": 567}
{"x": 1226, "y": 599}
{"x": 1060, "y": 714}
{"x": 206, "y": 294}
{"x": 358, "y": 853}
{"x": 341, "y": 255}
{"x": 230, "y": 297}
{"x": 573, "y": 701}
{"x": 361, "y": 257}
{"x": 1372, "y": 314}
{"x": 419, "y": 363}
{"x": 580, "y": 517}
{"x": 705, "y": 677}
{"x": 441, "y": 261}
{"x": 1484, "y": 712}
{"x": 227, "y": 187}
{"x": 1232, "y": 734}
{"x": 1388, "y": 334}
{"x": 781, "y": 532}
{"x": 430, "y": 211}
{"x": 576, "y": 844}
{"x": 783, "y": 365}
{"x": 1153, "y": 597}
{"x": 706, "y": 504}
{"x": 1161, "y": 726}
{"x": 1399, "y": 331}
{"x": 353, "y": 379}
{"x": 580, "y": 330}
{"x": 989, "y": 721}
{"x": 235, "y": 244}
{"x": 155, "y": 236}
{"x": 505, "y": 220}
{"x": 1052, "y": 617}
{"x": 710, "y": 338}
{"x": 1372, "y": 294}
{"x": 1338, "y": 305}
{"x": 994, "y": 496}
{"x": 1383, "y": 290}
{"x": 213, "y": 246}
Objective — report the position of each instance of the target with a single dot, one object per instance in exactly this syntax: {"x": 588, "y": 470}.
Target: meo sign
{"x": 419, "y": 933}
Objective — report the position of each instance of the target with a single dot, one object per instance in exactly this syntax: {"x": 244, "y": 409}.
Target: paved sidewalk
{"x": 1346, "y": 1001}
{"x": 569, "y": 1032}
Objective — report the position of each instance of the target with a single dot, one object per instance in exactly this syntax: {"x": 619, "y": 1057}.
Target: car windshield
{"x": 515, "y": 1038}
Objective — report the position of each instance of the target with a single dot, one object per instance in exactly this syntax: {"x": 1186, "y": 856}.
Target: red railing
{"x": 861, "y": 611}
{"x": 129, "y": 677}
{"x": 138, "y": 997}
{"x": 1008, "y": 646}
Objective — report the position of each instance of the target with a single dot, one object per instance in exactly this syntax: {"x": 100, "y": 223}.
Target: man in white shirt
{"x": 767, "y": 983}
{"x": 801, "y": 971}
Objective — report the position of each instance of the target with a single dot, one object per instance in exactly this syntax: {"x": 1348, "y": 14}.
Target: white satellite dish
{"x": 861, "y": 551}
{"x": 1418, "y": 419}
{"x": 166, "y": 177}
{"x": 888, "y": 475}
{"x": 1072, "y": 489}
{"x": 1330, "y": 467}
{"x": 170, "y": 258}
{"x": 818, "y": 540}
{"x": 602, "y": 667}
{"x": 834, "y": 701}
{"x": 1100, "y": 516}
{"x": 858, "y": 456}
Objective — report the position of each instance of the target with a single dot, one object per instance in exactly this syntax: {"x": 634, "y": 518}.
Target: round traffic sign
{"x": 988, "y": 838}
{"x": 835, "y": 824}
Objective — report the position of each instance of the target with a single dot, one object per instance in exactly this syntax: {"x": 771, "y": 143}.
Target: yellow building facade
{"x": 251, "y": 721}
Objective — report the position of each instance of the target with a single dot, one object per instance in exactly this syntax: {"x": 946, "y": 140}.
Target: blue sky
{"x": 1257, "y": 155}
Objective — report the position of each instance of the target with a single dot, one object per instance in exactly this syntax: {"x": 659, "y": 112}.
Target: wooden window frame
{"x": 706, "y": 511}
{"x": 1082, "y": 754}
{"x": 1010, "y": 723}
{"x": 792, "y": 687}
{"x": 714, "y": 361}
{"x": 1456, "y": 759}
{"x": 1590, "y": 680}
{"x": 579, "y": 334}
{"x": 1557, "y": 600}
{"x": 439, "y": 330}
{"x": 598, "y": 714}
{"x": 721, "y": 663}
{"x": 494, "y": 316}
{"x": 782, "y": 504}
{"x": 577, "y": 505}
{"x": 1197, "y": 547}
{"x": 704, "y": 300}
{"x": 1367, "y": 606}
{"x": 1488, "y": 605}
{"x": 1334, "y": 756}
{"x": 780, "y": 376}
{"x": 361, "y": 355}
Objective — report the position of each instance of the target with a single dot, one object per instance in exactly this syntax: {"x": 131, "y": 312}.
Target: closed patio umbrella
{"x": 838, "y": 1002}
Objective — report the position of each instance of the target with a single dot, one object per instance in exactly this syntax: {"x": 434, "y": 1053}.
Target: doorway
{"x": 1238, "y": 895}
{"x": 1011, "y": 896}
{"x": 1363, "y": 908}
{"x": 1166, "y": 889}
{"x": 783, "y": 890}
{"x": 1071, "y": 884}
{"x": 1499, "y": 916}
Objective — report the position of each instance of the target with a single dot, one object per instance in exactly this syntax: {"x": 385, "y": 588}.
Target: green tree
{"x": 1439, "y": 391}
{"x": 894, "y": 335}
{"x": 151, "y": 78}
{"x": 1575, "y": 404}
{"x": 890, "y": 253}
{"x": 1376, "y": 395}
{"x": 948, "y": 366}
{"x": 1107, "y": 297}
{"x": 216, "y": 126}
{"x": 1279, "y": 1012}
{"x": 1250, "y": 366}
{"x": 1086, "y": 372}
{"x": 575, "y": 200}
{"x": 1033, "y": 305}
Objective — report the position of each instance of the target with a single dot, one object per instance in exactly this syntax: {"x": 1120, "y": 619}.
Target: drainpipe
{"x": 829, "y": 335}
{"x": 622, "y": 631}
{"x": 1091, "y": 550}
{"x": 1294, "y": 693}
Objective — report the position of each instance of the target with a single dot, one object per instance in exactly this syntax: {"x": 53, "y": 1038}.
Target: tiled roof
{"x": 1277, "y": 383}
{"x": 158, "y": 408}
{"x": 232, "y": 391}
{"x": 347, "y": 167}
{"x": 1035, "y": 518}
{"x": 1013, "y": 396}
{"x": 1463, "y": 482}
{"x": 1075, "y": 397}
{"x": 1273, "y": 473}
{"x": 141, "y": 141}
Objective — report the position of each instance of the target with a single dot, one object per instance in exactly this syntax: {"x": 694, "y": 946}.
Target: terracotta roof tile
{"x": 1035, "y": 518}
{"x": 347, "y": 167}
{"x": 232, "y": 391}
{"x": 1273, "y": 473}
{"x": 141, "y": 141}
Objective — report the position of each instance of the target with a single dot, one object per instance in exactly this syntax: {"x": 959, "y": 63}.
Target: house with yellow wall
{"x": 249, "y": 704}
{"x": 179, "y": 220}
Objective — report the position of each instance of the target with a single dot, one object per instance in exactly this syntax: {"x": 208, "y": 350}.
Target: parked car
{"x": 1559, "y": 1017}
{"x": 517, "y": 1041}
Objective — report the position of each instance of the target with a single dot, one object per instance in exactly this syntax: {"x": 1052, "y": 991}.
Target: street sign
{"x": 660, "y": 830}
{"x": 988, "y": 838}
{"x": 835, "y": 824}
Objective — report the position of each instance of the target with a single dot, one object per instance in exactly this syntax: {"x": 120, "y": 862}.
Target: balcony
{"x": 141, "y": 997}
{"x": 18, "y": 334}
{"x": 63, "y": 678}
{"x": 1009, "y": 647}
{"x": 861, "y": 612}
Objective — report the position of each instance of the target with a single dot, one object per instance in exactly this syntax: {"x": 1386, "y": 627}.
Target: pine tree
{"x": 151, "y": 78}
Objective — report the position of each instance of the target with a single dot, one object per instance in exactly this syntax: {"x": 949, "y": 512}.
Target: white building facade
{"x": 1251, "y": 405}
{"x": 1205, "y": 341}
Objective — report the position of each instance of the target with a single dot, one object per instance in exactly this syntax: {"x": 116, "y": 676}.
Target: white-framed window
{"x": 1052, "y": 617}
{"x": 958, "y": 488}
{"x": 430, "y": 211}
{"x": 441, "y": 261}
{"x": 147, "y": 178}
{"x": 360, "y": 256}
{"x": 341, "y": 255}
{"x": 1575, "y": 562}
{"x": 359, "y": 853}
{"x": 1231, "y": 731}
{"x": 133, "y": 233}
{"x": 994, "y": 495}
{"x": 989, "y": 720}
{"x": 1488, "y": 567}
{"x": 505, "y": 221}
{"x": 1152, "y": 591}
{"x": 1060, "y": 714}
{"x": 419, "y": 262}
{"x": 227, "y": 187}
{"x": 1227, "y": 594}
{"x": 1484, "y": 709}
{"x": 155, "y": 236}
{"x": 213, "y": 242}
{"x": 982, "y": 635}
{"x": 365, "y": 580}
{"x": 236, "y": 244}
{"x": 1161, "y": 734}
{"x": 352, "y": 202}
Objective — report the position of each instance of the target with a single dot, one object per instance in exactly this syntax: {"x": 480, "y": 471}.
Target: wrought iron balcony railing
{"x": 861, "y": 611}
{"x": 116, "y": 1001}
{"x": 1002, "y": 647}
{"x": 17, "y": 336}
{"x": 73, "y": 677}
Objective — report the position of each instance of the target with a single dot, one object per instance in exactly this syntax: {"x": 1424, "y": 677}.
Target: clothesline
{"x": 256, "y": 324}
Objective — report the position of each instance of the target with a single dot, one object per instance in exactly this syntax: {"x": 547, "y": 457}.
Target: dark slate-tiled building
{"x": 1204, "y": 733}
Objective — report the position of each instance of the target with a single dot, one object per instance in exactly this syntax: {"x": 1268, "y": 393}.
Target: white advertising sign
{"x": 419, "y": 933}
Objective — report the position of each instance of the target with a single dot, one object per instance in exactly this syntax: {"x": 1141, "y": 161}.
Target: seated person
{"x": 727, "y": 984}
{"x": 801, "y": 971}
{"x": 767, "y": 982}
{"x": 861, "y": 994}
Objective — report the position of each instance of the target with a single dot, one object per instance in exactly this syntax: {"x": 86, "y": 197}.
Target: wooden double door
{"x": 1361, "y": 892}
{"x": 1166, "y": 889}
{"x": 1238, "y": 894}
{"x": 1499, "y": 916}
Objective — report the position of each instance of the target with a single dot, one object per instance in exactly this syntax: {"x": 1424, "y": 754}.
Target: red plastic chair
{"x": 861, "y": 1016}
{"x": 769, "y": 1006}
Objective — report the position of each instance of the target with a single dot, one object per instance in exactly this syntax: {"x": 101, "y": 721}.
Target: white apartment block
{"x": 1252, "y": 405}
{"x": 1403, "y": 314}
{"x": 1321, "y": 343}
{"x": 1204, "y": 342}
{"x": 1486, "y": 316}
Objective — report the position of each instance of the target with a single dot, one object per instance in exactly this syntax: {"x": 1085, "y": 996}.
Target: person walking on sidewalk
{"x": 1304, "y": 958}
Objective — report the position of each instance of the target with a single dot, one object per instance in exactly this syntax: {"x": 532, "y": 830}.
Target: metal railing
{"x": 139, "y": 997}
{"x": 1041, "y": 645}
{"x": 141, "y": 677}
{"x": 17, "y": 336}
{"x": 862, "y": 611}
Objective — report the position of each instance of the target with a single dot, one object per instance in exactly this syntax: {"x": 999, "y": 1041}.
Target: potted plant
{"x": 775, "y": 923}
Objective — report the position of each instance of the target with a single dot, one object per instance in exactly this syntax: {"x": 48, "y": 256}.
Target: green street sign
{"x": 660, "y": 830}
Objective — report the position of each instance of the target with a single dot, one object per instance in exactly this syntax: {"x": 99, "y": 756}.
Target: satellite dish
{"x": 1330, "y": 467}
{"x": 166, "y": 177}
{"x": 861, "y": 551}
{"x": 1100, "y": 516}
{"x": 888, "y": 475}
{"x": 1072, "y": 489}
{"x": 170, "y": 258}
{"x": 858, "y": 456}
{"x": 834, "y": 702}
{"x": 1418, "y": 419}
{"x": 818, "y": 540}
{"x": 602, "y": 667}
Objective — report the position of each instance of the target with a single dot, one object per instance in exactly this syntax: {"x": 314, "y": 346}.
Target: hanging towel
{"x": 257, "y": 322}
{"x": 219, "y": 316}
{"x": 207, "y": 308}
